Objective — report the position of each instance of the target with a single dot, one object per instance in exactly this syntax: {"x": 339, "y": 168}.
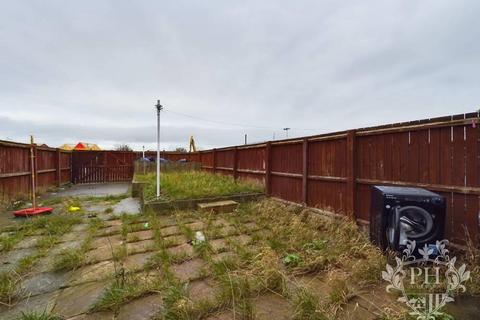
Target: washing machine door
{"x": 408, "y": 223}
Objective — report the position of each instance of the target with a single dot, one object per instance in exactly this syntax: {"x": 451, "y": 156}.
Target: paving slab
{"x": 73, "y": 236}
{"x": 202, "y": 290}
{"x": 94, "y": 272}
{"x": 166, "y": 221}
{"x": 140, "y": 246}
{"x": 77, "y": 300}
{"x": 109, "y": 231}
{"x": 242, "y": 239}
{"x": 106, "y": 315}
{"x": 223, "y": 255}
{"x": 183, "y": 249}
{"x": 141, "y": 309}
{"x": 464, "y": 307}
{"x": 100, "y": 254}
{"x": 140, "y": 235}
{"x": 94, "y": 189}
{"x": 315, "y": 284}
{"x": 95, "y": 207}
{"x": 68, "y": 245}
{"x": 223, "y": 315}
{"x": 228, "y": 230}
{"x": 137, "y": 261}
{"x": 38, "y": 304}
{"x": 218, "y": 244}
{"x": 44, "y": 283}
{"x": 272, "y": 306}
{"x": 9, "y": 260}
{"x": 129, "y": 206}
{"x": 175, "y": 240}
{"x": 111, "y": 223}
{"x": 195, "y": 226}
{"x": 27, "y": 242}
{"x": 107, "y": 241}
{"x": 354, "y": 311}
{"x": 80, "y": 227}
{"x": 171, "y": 230}
{"x": 220, "y": 222}
{"x": 188, "y": 270}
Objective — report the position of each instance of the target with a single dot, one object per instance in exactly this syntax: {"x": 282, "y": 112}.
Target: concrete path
{"x": 94, "y": 189}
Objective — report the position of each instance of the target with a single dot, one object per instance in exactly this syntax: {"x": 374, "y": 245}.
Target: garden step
{"x": 218, "y": 206}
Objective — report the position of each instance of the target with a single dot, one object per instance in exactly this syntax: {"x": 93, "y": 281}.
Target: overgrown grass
{"x": 71, "y": 259}
{"x": 7, "y": 242}
{"x": 8, "y": 287}
{"x": 195, "y": 184}
{"x": 37, "y": 316}
{"x": 124, "y": 289}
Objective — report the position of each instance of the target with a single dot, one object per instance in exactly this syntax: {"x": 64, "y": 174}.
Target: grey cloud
{"x": 92, "y": 70}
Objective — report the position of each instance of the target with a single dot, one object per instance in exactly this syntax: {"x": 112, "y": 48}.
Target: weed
{"x": 69, "y": 259}
{"x": 119, "y": 253}
{"x": 133, "y": 238}
{"x": 8, "y": 287}
{"x": 291, "y": 260}
{"x": 7, "y": 242}
{"x": 72, "y": 259}
{"x": 306, "y": 306}
{"x": 37, "y": 316}
{"x": 129, "y": 288}
{"x": 26, "y": 263}
{"x": 176, "y": 303}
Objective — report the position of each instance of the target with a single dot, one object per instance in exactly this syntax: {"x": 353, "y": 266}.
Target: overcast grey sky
{"x": 92, "y": 70}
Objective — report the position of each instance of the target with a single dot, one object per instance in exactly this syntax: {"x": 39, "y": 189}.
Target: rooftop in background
{"x": 80, "y": 146}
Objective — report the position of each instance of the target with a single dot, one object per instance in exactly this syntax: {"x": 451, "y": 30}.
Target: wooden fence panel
{"x": 332, "y": 172}
{"x": 15, "y": 169}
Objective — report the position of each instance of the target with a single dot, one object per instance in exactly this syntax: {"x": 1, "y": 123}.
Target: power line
{"x": 233, "y": 124}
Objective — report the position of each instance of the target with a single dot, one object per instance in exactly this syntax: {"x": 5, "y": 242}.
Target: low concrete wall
{"x": 164, "y": 207}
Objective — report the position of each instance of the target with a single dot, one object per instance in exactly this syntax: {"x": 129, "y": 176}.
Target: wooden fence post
{"x": 34, "y": 168}
{"x": 214, "y": 160}
{"x": 59, "y": 170}
{"x": 350, "y": 199}
{"x": 305, "y": 171}
{"x": 268, "y": 171}
{"x": 235, "y": 163}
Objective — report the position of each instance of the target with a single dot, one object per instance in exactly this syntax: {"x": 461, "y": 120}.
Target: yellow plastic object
{"x": 73, "y": 209}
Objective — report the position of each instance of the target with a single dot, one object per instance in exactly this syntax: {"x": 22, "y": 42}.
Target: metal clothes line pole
{"x": 159, "y": 108}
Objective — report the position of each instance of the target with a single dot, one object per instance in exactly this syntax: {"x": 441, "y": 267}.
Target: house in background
{"x": 80, "y": 146}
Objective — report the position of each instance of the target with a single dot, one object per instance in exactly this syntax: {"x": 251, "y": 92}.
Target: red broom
{"x": 34, "y": 210}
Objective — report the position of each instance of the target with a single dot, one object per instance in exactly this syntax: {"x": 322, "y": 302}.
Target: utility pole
{"x": 159, "y": 108}
{"x": 143, "y": 152}
{"x": 286, "y": 131}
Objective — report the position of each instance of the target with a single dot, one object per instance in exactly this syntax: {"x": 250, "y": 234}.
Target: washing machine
{"x": 399, "y": 214}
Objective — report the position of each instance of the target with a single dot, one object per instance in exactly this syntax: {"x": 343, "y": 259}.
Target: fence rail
{"x": 333, "y": 172}
{"x": 52, "y": 167}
